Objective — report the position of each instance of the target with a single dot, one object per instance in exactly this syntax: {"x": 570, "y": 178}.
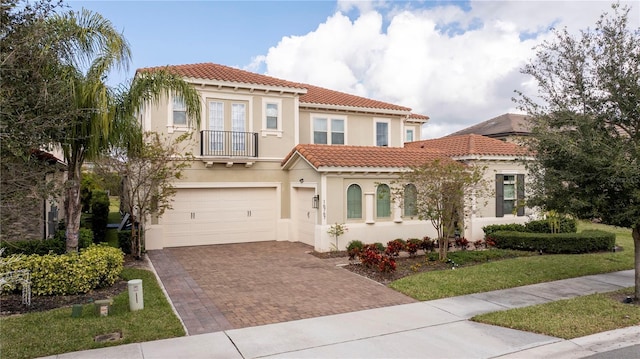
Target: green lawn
{"x": 520, "y": 271}
{"x": 569, "y": 318}
{"x": 55, "y": 332}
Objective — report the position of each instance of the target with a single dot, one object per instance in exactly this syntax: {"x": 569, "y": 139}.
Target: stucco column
{"x": 397, "y": 211}
{"x": 368, "y": 208}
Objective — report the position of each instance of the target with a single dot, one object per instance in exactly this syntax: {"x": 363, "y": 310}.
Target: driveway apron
{"x": 231, "y": 286}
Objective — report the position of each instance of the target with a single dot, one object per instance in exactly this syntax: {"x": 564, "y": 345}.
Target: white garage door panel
{"x": 221, "y": 215}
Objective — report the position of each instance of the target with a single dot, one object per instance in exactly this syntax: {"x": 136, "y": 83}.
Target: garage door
{"x": 221, "y": 215}
{"x": 304, "y": 215}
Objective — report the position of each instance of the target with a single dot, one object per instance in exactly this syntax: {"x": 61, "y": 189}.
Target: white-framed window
{"x": 271, "y": 115}
{"x": 238, "y": 125}
{"x": 328, "y": 130}
{"x": 383, "y": 201}
{"x": 410, "y": 200}
{"x": 509, "y": 194}
{"x": 179, "y": 112}
{"x": 354, "y": 201}
{"x": 408, "y": 137}
{"x": 216, "y": 125}
{"x": 381, "y": 132}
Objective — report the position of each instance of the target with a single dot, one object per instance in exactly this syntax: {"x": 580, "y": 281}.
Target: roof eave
{"x": 384, "y": 111}
{"x": 493, "y": 158}
{"x": 244, "y": 85}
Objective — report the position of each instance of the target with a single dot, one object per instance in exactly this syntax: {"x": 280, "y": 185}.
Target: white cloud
{"x": 457, "y": 66}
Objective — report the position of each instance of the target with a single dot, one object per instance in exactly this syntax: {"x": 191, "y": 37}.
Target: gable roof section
{"x": 506, "y": 124}
{"x": 310, "y": 95}
{"x": 362, "y": 156}
{"x": 470, "y": 145}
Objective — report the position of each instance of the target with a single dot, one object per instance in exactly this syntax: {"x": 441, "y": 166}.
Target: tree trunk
{"x": 443, "y": 247}
{"x": 636, "y": 244}
{"x": 72, "y": 207}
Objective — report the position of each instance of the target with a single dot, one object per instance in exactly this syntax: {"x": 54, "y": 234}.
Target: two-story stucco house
{"x": 280, "y": 160}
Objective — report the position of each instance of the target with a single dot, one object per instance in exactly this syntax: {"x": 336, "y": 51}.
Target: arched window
{"x": 354, "y": 201}
{"x": 410, "y": 198}
{"x": 383, "y": 201}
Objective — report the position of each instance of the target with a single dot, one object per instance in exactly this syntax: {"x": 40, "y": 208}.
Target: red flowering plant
{"x": 394, "y": 247}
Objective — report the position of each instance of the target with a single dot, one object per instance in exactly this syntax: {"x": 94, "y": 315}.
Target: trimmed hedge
{"x": 94, "y": 267}
{"x": 583, "y": 242}
{"x": 55, "y": 245}
{"x": 511, "y": 227}
{"x": 565, "y": 225}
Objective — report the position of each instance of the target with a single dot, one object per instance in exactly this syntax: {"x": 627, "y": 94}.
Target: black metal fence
{"x": 228, "y": 143}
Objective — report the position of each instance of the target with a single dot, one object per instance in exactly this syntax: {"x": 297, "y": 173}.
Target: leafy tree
{"x": 444, "y": 195}
{"x": 102, "y": 117}
{"x": 147, "y": 175}
{"x": 587, "y": 124}
{"x": 34, "y": 98}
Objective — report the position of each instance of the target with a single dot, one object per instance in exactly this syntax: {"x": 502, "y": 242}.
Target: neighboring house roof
{"x": 508, "y": 124}
{"x": 46, "y": 157}
{"x": 320, "y": 156}
{"x": 470, "y": 145}
{"x": 313, "y": 95}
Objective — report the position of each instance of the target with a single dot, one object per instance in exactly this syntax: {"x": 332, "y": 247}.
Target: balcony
{"x": 228, "y": 144}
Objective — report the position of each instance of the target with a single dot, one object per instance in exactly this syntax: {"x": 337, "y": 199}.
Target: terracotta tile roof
{"x": 314, "y": 95}
{"x": 416, "y": 116}
{"x": 465, "y": 145}
{"x": 506, "y": 124}
{"x": 364, "y": 156}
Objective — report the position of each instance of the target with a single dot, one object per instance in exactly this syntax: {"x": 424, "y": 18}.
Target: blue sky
{"x": 455, "y": 61}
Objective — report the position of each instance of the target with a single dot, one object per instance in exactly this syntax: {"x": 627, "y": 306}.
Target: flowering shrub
{"x": 354, "y": 248}
{"x": 394, "y": 247}
{"x": 478, "y": 244}
{"x": 412, "y": 246}
{"x": 372, "y": 257}
{"x": 428, "y": 244}
{"x": 490, "y": 242}
{"x": 462, "y": 243}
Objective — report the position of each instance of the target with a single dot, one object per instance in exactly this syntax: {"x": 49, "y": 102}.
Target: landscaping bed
{"x": 11, "y": 304}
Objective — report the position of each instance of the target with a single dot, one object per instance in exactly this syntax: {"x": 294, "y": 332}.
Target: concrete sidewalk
{"x": 434, "y": 329}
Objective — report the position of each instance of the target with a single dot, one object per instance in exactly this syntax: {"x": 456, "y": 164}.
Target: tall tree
{"x": 587, "y": 124}
{"x": 442, "y": 192}
{"x": 94, "y": 116}
{"x": 34, "y": 98}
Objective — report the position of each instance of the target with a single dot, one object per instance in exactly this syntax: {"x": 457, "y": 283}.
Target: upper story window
{"x": 382, "y": 132}
{"x": 509, "y": 194}
{"x": 410, "y": 199}
{"x": 179, "y": 112}
{"x": 271, "y": 116}
{"x": 354, "y": 201}
{"x": 383, "y": 201}
{"x": 408, "y": 135}
{"x": 329, "y": 131}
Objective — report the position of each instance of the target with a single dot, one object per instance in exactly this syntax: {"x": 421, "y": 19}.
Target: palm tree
{"x": 105, "y": 116}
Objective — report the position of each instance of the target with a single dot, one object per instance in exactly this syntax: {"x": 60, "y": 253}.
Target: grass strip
{"x": 570, "y": 318}
{"x": 519, "y": 271}
{"x": 55, "y": 331}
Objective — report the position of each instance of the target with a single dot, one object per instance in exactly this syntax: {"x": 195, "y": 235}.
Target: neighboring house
{"x": 508, "y": 127}
{"x": 280, "y": 160}
{"x": 26, "y": 215}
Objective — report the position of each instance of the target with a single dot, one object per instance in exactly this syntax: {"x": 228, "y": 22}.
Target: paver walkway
{"x": 232, "y": 286}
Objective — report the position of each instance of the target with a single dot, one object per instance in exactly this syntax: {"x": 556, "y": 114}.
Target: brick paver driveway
{"x": 229, "y": 286}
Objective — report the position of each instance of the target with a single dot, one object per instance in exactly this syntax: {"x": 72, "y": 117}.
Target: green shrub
{"x": 514, "y": 227}
{"x": 354, "y": 248}
{"x": 565, "y": 225}
{"x": 124, "y": 241}
{"x": 73, "y": 273}
{"x": 583, "y": 242}
{"x": 100, "y": 215}
{"x": 55, "y": 245}
{"x": 464, "y": 257}
{"x": 379, "y": 246}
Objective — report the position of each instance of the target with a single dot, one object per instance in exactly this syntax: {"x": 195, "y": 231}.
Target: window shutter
{"x": 520, "y": 189}
{"x": 499, "y": 195}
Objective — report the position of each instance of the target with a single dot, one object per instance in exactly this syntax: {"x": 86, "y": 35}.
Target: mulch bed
{"x": 11, "y": 304}
{"x": 405, "y": 266}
